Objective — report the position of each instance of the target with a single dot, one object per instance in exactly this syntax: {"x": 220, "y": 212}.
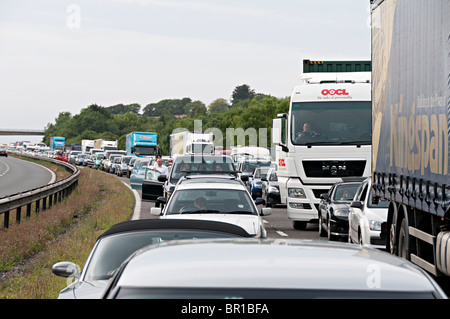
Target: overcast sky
{"x": 58, "y": 55}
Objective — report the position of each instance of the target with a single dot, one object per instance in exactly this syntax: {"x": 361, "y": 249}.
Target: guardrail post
{"x": 44, "y": 203}
{"x": 37, "y": 207}
{"x": 6, "y": 220}
{"x": 29, "y": 210}
{"x": 18, "y": 213}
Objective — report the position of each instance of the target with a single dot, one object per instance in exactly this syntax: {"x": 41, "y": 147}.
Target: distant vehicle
{"x": 270, "y": 190}
{"x": 87, "y": 145}
{"x": 366, "y": 216}
{"x": 105, "y": 145}
{"x": 142, "y": 144}
{"x": 57, "y": 143}
{"x": 115, "y": 162}
{"x": 137, "y": 175}
{"x": 116, "y": 244}
{"x": 122, "y": 167}
{"x": 196, "y": 164}
{"x": 130, "y": 165}
{"x": 215, "y": 197}
{"x": 256, "y": 183}
{"x": 236, "y": 269}
{"x": 61, "y": 156}
{"x": 97, "y": 158}
{"x": 191, "y": 143}
{"x": 334, "y": 207}
{"x": 80, "y": 158}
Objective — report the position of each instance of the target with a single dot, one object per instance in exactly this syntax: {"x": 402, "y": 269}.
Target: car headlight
{"x": 296, "y": 193}
{"x": 341, "y": 212}
{"x": 375, "y": 225}
{"x": 273, "y": 189}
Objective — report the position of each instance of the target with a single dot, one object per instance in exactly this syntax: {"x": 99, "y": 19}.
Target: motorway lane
{"x": 19, "y": 176}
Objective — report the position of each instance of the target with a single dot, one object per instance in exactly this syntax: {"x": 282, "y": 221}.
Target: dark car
{"x": 334, "y": 208}
{"x": 3, "y": 152}
{"x": 256, "y": 183}
{"x": 196, "y": 164}
{"x": 270, "y": 190}
{"x": 121, "y": 240}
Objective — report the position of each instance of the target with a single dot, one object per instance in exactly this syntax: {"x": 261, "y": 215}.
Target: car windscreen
{"x": 249, "y": 167}
{"x": 221, "y": 201}
{"x": 345, "y": 192}
{"x": 111, "y": 251}
{"x": 197, "y": 165}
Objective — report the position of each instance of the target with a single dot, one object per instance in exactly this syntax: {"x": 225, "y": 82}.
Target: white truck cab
{"x": 325, "y": 136}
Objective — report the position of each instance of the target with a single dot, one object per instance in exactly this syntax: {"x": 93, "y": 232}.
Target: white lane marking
{"x": 279, "y": 232}
{"x": 7, "y": 169}
{"x": 137, "y": 207}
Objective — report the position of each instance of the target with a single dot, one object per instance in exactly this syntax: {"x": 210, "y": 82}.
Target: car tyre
{"x": 299, "y": 225}
{"x": 331, "y": 237}
{"x": 322, "y": 232}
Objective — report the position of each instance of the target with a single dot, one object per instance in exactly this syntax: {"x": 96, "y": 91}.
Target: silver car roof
{"x": 272, "y": 263}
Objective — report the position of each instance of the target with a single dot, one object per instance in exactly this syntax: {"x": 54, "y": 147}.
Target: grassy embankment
{"x": 65, "y": 232}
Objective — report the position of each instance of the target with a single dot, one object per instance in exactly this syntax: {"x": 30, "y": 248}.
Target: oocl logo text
{"x": 335, "y": 92}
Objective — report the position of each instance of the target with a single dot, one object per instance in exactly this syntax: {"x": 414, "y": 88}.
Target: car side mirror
{"x": 266, "y": 211}
{"x": 356, "y": 204}
{"x": 264, "y": 179}
{"x": 155, "y": 211}
{"x": 244, "y": 177}
{"x": 66, "y": 269}
{"x": 324, "y": 196}
{"x": 162, "y": 178}
{"x": 260, "y": 201}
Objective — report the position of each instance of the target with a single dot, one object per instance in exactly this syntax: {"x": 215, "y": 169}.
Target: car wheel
{"x": 331, "y": 237}
{"x": 322, "y": 232}
{"x": 299, "y": 225}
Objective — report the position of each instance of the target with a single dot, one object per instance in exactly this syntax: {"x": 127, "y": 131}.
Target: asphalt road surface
{"x": 20, "y": 176}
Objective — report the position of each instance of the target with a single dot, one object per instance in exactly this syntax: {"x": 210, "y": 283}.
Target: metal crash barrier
{"x": 44, "y": 196}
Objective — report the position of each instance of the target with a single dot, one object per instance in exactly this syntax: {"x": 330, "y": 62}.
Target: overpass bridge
{"x": 17, "y": 132}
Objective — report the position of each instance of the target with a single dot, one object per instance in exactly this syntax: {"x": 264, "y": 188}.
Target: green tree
{"x": 242, "y": 92}
{"x": 218, "y": 106}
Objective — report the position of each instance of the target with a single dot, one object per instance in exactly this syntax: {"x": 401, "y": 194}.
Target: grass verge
{"x": 65, "y": 232}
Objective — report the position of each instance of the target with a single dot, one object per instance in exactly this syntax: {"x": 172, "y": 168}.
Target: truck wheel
{"x": 392, "y": 240}
{"x": 403, "y": 240}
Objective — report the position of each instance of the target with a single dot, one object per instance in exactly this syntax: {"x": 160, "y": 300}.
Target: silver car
{"x": 268, "y": 269}
{"x": 366, "y": 217}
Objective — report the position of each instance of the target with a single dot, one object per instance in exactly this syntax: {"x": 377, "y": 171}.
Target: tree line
{"x": 246, "y": 110}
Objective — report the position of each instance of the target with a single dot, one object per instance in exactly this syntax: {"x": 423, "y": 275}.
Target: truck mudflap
{"x": 443, "y": 252}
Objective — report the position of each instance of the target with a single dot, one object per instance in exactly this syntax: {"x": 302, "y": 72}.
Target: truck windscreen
{"x": 145, "y": 150}
{"x": 331, "y": 123}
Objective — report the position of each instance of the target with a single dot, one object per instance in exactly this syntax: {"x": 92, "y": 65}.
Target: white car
{"x": 365, "y": 218}
{"x": 221, "y": 198}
